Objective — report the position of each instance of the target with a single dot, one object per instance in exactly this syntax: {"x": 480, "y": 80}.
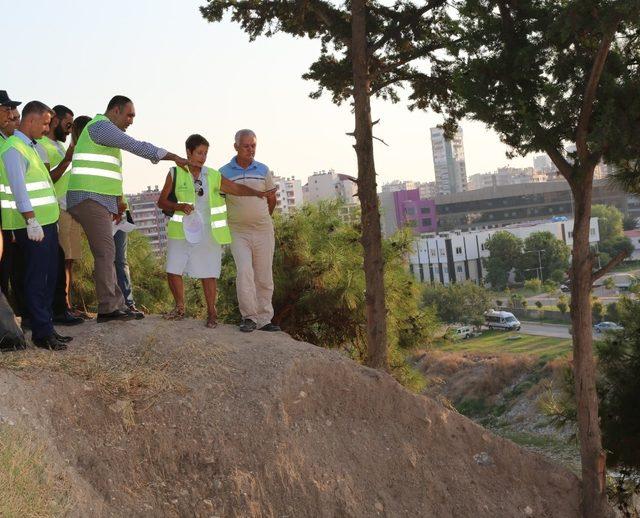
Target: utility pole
{"x": 539, "y": 262}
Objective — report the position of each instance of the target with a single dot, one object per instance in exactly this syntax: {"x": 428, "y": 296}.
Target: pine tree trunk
{"x": 370, "y": 216}
{"x": 594, "y": 500}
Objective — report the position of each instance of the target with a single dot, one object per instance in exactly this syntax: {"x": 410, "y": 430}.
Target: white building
{"x": 400, "y": 185}
{"x": 448, "y": 162}
{"x": 329, "y": 185}
{"x": 451, "y": 257}
{"x": 507, "y": 176}
{"x": 634, "y": 236}
{"x": 289, "y": 196}
{"x": 543, "y": 163}
{"x": 428, "y": 190}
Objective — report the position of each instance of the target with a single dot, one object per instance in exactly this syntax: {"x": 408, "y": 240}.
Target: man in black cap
{"x": 9, "y": 116}
{"x": 9, "y": 121}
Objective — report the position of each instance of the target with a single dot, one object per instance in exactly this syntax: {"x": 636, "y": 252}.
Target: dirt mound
{"x": 155, "y": 418}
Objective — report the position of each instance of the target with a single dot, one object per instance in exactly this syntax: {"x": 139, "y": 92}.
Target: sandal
{"x": 212, "y": 322}
{"x": 176, "y": 313}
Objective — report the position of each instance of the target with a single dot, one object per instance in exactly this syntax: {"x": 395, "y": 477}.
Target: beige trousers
{"x": 96, "y": 222}
{"x": 253, "y": 254}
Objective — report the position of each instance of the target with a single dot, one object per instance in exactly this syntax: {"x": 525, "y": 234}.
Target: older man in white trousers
{"x": 251, "y": 226}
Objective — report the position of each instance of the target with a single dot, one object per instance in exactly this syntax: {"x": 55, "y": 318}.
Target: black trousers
{"x": 60, "y": 295}
{"x": 41, "y": 273}
{"x": 12, "y": 269}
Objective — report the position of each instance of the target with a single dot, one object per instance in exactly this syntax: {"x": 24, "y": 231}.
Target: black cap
{"x": 5, "y": 101}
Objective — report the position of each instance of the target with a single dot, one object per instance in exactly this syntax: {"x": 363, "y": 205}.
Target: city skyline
{"x": 185, "y": 76}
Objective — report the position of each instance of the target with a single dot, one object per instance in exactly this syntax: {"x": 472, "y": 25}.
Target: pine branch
{"x": 611, "y": 264}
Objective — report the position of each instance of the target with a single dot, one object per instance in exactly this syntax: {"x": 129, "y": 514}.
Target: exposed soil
{"x": 153, "y": 418}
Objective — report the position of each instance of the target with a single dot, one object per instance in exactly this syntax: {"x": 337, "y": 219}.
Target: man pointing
{"x": 95, "y": 190}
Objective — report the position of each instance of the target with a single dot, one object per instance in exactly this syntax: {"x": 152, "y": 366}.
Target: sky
{"x": 187, "y": 76}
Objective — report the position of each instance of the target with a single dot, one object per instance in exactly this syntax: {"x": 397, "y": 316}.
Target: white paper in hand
{"x": 193, "y": 227}
{"x": 124, "y": 225}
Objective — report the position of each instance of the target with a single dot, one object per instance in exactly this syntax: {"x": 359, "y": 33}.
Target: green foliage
{"x": 629, "y": 222}
{"x": 505, "y": 251}
{"x": 521, "y": 68}
{"x": 550, "y": 286}
{"x": 553, "y": 256}
{"x": 619, "y": 386}
{"x": 597, "y": 310}
{"x": 613, "y": 314}
{"x": 562, "y": 304}
{"x": 319, "y": 285}
{"x": 463, "y": 303}
{"x": 612, "y": 247}
{"x": 557, "y": 276}
{"x": 534, "y": 285}
{"x": 538, "y": 304}
{"x": 612, "y": 239}
{"x": 609, "y": 221}
{"x": 401, "y": 39}
{"x": 609, "y": 283}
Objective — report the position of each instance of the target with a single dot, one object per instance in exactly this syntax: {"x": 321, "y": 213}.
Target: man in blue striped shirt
{"x": 95, "y": 212}
{"x": 252, "y": 232}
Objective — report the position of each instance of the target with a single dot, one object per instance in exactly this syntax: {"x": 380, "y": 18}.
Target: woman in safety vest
{"x": 197, "y": 228}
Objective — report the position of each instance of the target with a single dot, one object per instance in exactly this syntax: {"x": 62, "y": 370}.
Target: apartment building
{"x": 289, "y": 196}
{"x": 149, "y": 219}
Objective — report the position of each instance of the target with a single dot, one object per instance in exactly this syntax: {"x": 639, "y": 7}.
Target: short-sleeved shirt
{"x": 248, "y": 212}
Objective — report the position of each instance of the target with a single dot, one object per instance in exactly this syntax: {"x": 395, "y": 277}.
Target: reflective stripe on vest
{"x": 185, "y": 193}
{"x": 38, "y": 185}
{"x": 96, "y": 168}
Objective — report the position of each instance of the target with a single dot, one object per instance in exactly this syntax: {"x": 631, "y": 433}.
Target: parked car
{"x": 501, "y": 320}
{"x": 565, "y": 288}
{"x": 462, "y": 332}
{"x": 603, "y": 327}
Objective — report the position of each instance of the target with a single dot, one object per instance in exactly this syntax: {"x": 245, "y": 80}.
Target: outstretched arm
{"x": 238, "y": 189}
{"x": 106, "y": 133}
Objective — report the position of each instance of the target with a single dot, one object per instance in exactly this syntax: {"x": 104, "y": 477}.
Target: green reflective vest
{"x": 185, "y": 193}
{"x": 55, "y": 157}
{"x": 95, "y": 168}
{"x": 39, "y": 186}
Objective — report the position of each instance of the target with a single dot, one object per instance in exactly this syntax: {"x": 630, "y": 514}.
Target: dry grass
{"x": 130, "y": 383}
{"x": 29, "y": 487}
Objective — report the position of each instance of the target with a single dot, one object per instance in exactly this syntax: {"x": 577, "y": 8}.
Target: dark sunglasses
{"x": 199, "y": 190}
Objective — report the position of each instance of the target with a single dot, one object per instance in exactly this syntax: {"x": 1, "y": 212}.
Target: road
{"x": 553, "y": 330}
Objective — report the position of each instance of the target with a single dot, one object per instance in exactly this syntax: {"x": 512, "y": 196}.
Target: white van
{"x": 501, "y": 320}
{"x": 462, "y": 332}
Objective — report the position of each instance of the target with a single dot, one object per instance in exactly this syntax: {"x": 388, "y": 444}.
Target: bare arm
{"x": 59, "y": 170}
{"x": 271, "y": 201}
{"x": 165, "y": 203}
{"x": 238, "y": 189}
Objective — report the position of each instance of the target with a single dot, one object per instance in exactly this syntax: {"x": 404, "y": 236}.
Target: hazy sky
{"x": 188, "y": 76}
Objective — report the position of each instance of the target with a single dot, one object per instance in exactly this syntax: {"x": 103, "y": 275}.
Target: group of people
{"x": 49, "y": 194}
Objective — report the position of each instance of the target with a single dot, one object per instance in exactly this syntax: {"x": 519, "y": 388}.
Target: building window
{"x": 410, "y": 211}
{"x": 570, "y": 234}
{"x": 426, "y": 222}
{"x": 459, "y": 269}
{"x": 425, "y": 210}
{"x": 592, "y": 231}
{"x": 458, "y": 249}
